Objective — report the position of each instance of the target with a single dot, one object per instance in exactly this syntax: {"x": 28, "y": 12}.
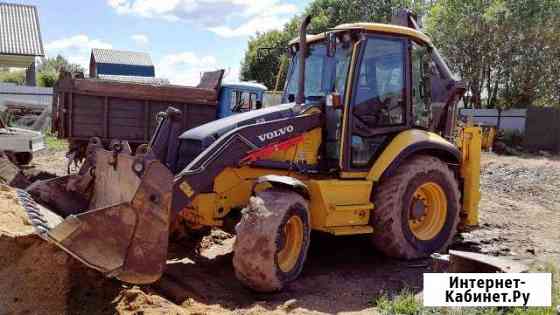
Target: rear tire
{"x": 416, "y": 209}
{"x": 272, "y": 240}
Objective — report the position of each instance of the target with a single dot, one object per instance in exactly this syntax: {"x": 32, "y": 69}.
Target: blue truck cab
{"x": 239, "y": 97}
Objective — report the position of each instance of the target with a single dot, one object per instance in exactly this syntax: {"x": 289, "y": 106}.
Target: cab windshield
{"x": 323, "y": 74}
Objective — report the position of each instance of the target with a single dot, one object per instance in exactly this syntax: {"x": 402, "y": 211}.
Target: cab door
{"x": 379, "y": 103}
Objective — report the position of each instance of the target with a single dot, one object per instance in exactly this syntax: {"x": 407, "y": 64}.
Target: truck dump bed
{"x": 86, "y": 108}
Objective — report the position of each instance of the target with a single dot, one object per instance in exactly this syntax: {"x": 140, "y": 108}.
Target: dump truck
{"x": 108, "y": 109}
{"x": 363, "y": 146}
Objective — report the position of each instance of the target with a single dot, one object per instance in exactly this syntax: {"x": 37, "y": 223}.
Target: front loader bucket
{"x": 120, "y": 221}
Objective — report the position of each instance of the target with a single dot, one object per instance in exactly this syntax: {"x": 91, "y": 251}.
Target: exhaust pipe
{"x": 300, "y": 97}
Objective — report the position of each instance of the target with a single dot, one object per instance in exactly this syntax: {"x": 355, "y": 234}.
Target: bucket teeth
{"x": 34, "y": 213}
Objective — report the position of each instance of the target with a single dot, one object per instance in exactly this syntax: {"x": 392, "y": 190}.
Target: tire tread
{"x": 387, "y": 236}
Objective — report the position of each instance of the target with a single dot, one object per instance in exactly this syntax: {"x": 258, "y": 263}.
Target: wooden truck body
{"x": 86, "y": 108}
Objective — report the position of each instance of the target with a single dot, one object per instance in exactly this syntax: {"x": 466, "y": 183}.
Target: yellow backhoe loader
{"x": 363, "y": 144}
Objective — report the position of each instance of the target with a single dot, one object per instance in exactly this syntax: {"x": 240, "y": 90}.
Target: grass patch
{"x": 55, "y": 144}
{"x": 405, "y": 302}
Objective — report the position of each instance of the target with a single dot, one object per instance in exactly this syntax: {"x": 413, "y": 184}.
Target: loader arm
{"x": 230, "y": 150}
{"x": 114, "y": 214}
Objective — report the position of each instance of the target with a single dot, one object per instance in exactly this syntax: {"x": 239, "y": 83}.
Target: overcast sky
{"x": 184, "y": 37}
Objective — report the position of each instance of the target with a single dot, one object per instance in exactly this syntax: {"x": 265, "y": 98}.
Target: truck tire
{"x": 23, "y": 158}
{"x": 272, "y": 240}
{"x": 416, "y": 209}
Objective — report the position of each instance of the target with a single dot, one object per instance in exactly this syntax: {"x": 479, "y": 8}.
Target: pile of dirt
{"x": 40, "y": 278}
{"x": 136, "y": 301}
{"x": 13, "y": 220}
{"x": 32, "y": 271}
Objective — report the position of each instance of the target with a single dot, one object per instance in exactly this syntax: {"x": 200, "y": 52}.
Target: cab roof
{"x": 372, "y": 27}
{"x": 245, "y": 85}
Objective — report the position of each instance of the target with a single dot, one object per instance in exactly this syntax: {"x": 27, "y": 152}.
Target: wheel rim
{"x": 292, "y": 236}
{"x": 428, "y": 211}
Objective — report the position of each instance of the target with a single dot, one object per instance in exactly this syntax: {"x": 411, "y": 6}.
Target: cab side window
{"x": 380, "y": 93}
{"x": 419, "y": 56}
{"x": 242, "y": 101}
{"x": 380, "y": 99}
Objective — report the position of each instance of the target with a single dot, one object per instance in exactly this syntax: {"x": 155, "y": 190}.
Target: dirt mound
{"x": 13, "y": 220}
{"x": 32, "y": 270}
{"x": 136, "y": 301}
{"x": 39, "y": 278}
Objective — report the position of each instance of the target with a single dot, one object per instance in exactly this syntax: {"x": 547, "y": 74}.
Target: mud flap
{"x": 125, "y": 232}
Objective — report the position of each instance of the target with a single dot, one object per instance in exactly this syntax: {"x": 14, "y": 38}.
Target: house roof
{"x": 121, "y": 57}
{"x": 19, "y": 30}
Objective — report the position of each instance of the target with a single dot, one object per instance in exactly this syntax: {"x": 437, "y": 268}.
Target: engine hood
{"x": 210, "y": 132}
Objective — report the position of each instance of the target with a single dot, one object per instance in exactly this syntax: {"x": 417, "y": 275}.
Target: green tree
{"x": 534, "y": 54}
{"x": 462, "y": 30}
{"x": 17, "y": 77}
{"x": 49, "y": 69}
{"x": 326, "y": 14}
{"x": 260, "y": 64}
{"x": 505, "y": 50}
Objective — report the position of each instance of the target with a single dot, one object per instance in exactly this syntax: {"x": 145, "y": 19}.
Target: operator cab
{"x": 372, "y": 81}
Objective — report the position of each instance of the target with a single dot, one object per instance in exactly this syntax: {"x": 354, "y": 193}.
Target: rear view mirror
{"x": 334, "y": 100}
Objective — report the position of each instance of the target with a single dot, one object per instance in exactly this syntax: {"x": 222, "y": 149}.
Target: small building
{"x": 111, "y": 64}
{"x": 20, "y": 38}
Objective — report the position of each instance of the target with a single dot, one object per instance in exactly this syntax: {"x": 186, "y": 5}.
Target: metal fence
{"x": 539, "y": 126}
{"x": 25, "y": 96}
{"x": 510, "y": 120}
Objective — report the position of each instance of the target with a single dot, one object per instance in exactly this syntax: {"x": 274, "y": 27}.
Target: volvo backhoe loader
{"x": 362, "y": 145}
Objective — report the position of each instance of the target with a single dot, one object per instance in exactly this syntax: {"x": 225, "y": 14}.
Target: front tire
{"x": 272, "y": 240}
{"x": 416, "y": 209}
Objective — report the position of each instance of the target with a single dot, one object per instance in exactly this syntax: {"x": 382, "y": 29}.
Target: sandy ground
{"x": 51, "y": 161}
{"x": 39, "y": 278}
{"x": 520, "y": 213}
{"x": 519, "y": 209}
